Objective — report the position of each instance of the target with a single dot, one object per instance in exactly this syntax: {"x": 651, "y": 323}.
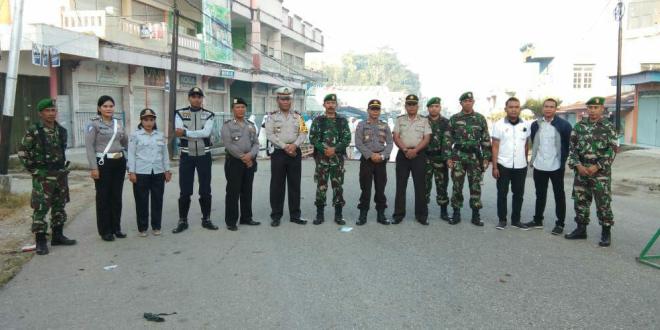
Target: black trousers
{"x": 109, "y": 187}
{"x": 149, "y": 187}
{"x": 285, "y": 169}
{"x": 187, "y": 166}
{"x": 239, "y": 187}
{"x": 515, "y": 177}
{"x": 541, "y": 184}
{"x": 376, "y": 172}
{"x": 404, "y": 167}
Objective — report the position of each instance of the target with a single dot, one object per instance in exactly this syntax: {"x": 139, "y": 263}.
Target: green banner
{"x": 217, "y": 44}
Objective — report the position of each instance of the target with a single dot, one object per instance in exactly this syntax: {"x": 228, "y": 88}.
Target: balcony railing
{"x": 85, "y": 21}
{"x": 186, "y": 42}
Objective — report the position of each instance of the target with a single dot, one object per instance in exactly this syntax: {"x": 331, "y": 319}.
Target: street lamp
{"x": 618, "y": 15}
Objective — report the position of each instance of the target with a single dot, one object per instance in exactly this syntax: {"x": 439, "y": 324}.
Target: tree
{"x": 375, "y": 69}
{"x": 536, "y": 105}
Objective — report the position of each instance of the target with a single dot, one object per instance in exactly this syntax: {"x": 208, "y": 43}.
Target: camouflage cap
{"x": 466, "y": 96}
{"x": 412, "y": 99}
{"x": 45, "y": 104}
{"x": 195, "y": 91}
{"x": 330, "y": 97}
{"x": 596, "y": 100}
{"x": 374, "y": 104}
{"x": 238, "y": 100}
{"x": 284, "y": 91}
{"x": 433, "y": 100}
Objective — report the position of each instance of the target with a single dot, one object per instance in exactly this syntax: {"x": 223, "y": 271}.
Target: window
{"x": 299, "y": 62}
{"x": 650, "y": 66}
{"x": 287, "y": 58}
{"x": 643, "y": 14}
{"x": 146, "y": 13}
{"x": 290, "y": 22}
{"x": 582, "y": 75}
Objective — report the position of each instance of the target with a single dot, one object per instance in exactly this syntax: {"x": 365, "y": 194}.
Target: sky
{"x": 462, "y": 45}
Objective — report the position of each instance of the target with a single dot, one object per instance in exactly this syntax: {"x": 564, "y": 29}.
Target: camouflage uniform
{"x": 593, "y": 143}
{"x": 41, "y": 152}
{"x": 436, "y": 163}
{"x": 329, "y": 132}
{"x": 468, "y": 144}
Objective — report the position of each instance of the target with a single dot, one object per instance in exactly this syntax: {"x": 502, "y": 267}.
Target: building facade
{"x": 122, "y": 48}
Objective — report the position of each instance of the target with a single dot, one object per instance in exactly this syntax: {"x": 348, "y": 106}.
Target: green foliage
{"x": 381, "y": 68}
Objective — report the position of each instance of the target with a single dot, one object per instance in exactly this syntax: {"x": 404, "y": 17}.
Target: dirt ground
{"x": 15, "y": 222}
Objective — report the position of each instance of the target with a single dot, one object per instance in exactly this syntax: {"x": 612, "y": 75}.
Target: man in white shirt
{"x": 510, "y": 141}
{"x": 550, "y": 137}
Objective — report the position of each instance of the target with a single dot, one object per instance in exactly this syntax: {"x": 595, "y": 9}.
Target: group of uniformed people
{"x": 428, "y": 148}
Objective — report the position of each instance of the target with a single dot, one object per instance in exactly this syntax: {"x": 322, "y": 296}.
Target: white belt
{"x": 111, "y": 155}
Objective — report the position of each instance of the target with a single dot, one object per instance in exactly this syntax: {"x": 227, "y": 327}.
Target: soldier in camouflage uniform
{"x": 436, "y": 162}
{"x": 592, "y": 150}
{"x": 42, "y": 154}
{"x": 469, "y": 142}
{"x": 330, "y": 135}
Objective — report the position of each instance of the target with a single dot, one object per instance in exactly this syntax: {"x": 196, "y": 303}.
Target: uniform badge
{"x": 236, "y": 138}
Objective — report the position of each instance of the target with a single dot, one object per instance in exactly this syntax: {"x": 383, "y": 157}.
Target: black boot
{"x": 444, "y": 215}
{"x": 380, "y": 217}
{"x": 476, "y": 218}
{"x": 605, "y": 237}
{"x": 181, "y": 226}
{"x": 320, "y": 215}
{"x": 205, "y": 207}
{"x": 206, "y": 223}
{"x": 42, "y": 243}
{"x": 339, "y": 218}
{"x": 456, "y": 217}
{"x": 59, "y": 238}
{"x": 362, "y": 219}
{"x": 579, "y": 233}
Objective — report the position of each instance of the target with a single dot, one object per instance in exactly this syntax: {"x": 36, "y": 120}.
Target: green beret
{"x": 596, "y": 100}
{"x": 412, "y": 98}
{"x": 45, "y": 104}
{"x": 283, "y": 91}
{"x": 466, "y": 96}
{"x": 433, "y": 100}
{"x": 330, "y": 97}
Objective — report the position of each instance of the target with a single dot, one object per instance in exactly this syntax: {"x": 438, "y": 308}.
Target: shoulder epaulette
{"x": 249, "y": 121}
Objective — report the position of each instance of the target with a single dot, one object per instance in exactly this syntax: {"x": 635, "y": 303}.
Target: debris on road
{"x": 111, "y": 267}
{"x": 156, "y": 317}
{"x": 345, "y": 229}
{"x": 29, "y": 248}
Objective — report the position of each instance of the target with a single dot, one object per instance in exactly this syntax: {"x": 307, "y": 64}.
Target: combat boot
{"x": 605, "y": 237}
{"x": 42, "y": 243}
{"x": 339, "y": 218}
{"x": 456, "y": 217}
{"x": 444, "y": 215}
{"x": 362, "y": 219}
{"x": 320, "y": 215}
{"x": 380, "y": 217}
{"x": 58, "y": 237}
{"x": 476, "y": 218}
{"x": 579, "y": 233}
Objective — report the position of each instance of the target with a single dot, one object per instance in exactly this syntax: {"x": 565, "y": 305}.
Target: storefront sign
{"x": 107, "y": 73}
{"x": 154, "y": 77}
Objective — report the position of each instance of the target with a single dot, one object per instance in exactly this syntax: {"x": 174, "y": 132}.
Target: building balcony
{"x": 120, "y": 30}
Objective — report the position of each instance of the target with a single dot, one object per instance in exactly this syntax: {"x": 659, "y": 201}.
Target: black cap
{"x": 374, "y": 104}
{"x": 238, "y": 100}
{"x": 195, "y": 91}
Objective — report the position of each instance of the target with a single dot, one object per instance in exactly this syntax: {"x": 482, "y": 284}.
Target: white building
{"x": 122, "y": 48}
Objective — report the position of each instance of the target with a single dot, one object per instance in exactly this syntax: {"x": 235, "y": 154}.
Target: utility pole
{"x": 618, "y": 15}
{"x": 10, "y": 94}
{"x": 173, "y": 75}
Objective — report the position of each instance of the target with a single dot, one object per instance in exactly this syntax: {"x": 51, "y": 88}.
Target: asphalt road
{"x": 316, "y": 277}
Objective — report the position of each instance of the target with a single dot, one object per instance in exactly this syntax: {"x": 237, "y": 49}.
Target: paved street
{"x": 316, "y": 277}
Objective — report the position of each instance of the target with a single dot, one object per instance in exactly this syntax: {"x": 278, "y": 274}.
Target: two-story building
{"x": 122, "y": 48}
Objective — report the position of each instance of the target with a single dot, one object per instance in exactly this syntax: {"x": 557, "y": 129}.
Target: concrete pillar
{"x": 5, "y": 184}
{"x": 275, "y": 42}
{"x": 126, "y": 8}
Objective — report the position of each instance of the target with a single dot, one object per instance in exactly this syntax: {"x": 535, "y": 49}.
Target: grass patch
{"x": 12, "y": 202}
